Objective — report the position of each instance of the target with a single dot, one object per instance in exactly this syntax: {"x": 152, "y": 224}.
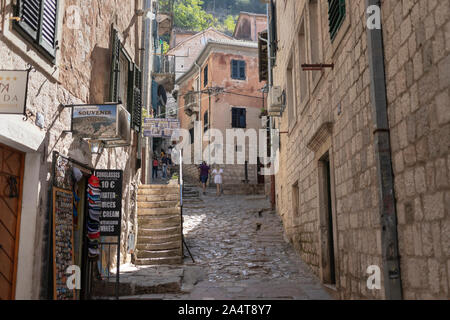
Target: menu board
{"x": 62, "y": 243}
{"x": 111, "y": 201}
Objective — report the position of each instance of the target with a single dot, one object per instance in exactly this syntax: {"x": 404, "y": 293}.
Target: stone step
{"x": 153, "y": 192}
{"x": 158, "y": 261}
{"x": 158, "y": 240}
{"x": 156, "y": 232}
{"x": 160, "y": 246}
{"x": 193, "y": 200}
{"x": 160, "y": 204}
{"x": 145, "y": 254}
{"x": 158, "y": 198}
{"x": 160, "y": 186}
{"x": 163, "y": 221}
{"x": 158, "y": 211}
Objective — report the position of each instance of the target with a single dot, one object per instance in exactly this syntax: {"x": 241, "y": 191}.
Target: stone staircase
{"x": 191, "y": 197}
{"x": 159, "y": 239}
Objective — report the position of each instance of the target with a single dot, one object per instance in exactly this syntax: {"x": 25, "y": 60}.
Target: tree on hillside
{"x": 189, "y": 14}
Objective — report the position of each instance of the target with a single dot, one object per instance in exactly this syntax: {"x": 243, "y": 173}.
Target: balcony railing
{"x": 190, "y": 104}
{"x": 163, "y": 64}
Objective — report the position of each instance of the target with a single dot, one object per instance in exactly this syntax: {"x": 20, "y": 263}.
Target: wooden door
{"x": 11, "y": 179}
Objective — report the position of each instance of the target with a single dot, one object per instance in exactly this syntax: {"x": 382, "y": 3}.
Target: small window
{"x": 238, "y": 69}
{"x": 336, "y": 16}
{"x": 38, "y": 22}
{"x": 205, "y": 76}
{"x": 239, "y": 118}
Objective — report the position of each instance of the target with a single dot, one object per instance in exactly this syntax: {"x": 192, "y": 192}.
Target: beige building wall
{"x": 188, "y": 49}
{"x": 332, "y": 112}
{"x": 80, "y": 74}
{"x": 417, "y": 57}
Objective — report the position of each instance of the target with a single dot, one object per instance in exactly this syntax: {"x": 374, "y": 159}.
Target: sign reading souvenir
{"x": 13, "y": 91}
{"x": 62, "y": 243}
{"x": 160, "y": 128}
{"x": 101, "y": 122}
{"x": 110, "y": 201}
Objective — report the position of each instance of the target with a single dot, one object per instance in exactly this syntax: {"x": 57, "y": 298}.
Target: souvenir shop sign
{"x": 101, "y": 122}
{"x": 160, "y": 128}
{"x": 62, "y": 243}
{"x": 111, "y": 201}
{"x": 13, "y": 91}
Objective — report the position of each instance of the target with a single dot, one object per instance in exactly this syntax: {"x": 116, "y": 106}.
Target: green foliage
{"x": 230, "y": 23}
{"x": 198, "y": 15}
{"x": 189, "y": 14}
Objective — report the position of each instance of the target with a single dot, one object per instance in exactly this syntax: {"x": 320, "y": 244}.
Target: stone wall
{"x": 340, "y": 97}
{"x": 81, "y": 75}
{"x": 417, "y": 64}
{"x": 417, "y": 47}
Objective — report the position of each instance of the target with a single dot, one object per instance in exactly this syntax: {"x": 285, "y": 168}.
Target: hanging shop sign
{"x": 13, "y": 91}
{"x": 111, "y": 123}
{"x": 62, "y": 243}
{"x": 160, "y": 128}
{"x": 111, "y": 182}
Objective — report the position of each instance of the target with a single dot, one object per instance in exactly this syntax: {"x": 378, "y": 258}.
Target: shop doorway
{"x": 11, "y": 181}
{"x": 327, "y": 225}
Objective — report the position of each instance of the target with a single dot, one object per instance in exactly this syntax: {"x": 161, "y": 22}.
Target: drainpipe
{"x": 387, "y": 205}
{"x": 199, "y": 105}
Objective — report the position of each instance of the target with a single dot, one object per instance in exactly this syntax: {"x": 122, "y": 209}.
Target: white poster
{"x": 13, "y": 91}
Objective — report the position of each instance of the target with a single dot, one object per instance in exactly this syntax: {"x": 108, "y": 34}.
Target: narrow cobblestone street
{"x": 239, "y": 251}
{"x": 238, "y": 242}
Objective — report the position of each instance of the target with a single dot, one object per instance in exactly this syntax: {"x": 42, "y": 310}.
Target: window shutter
{"x": 29, "y": 12}
{"x": 234, "y": 69}
{"x": 242, "y": 70}
{"x": 243, "y": 118}
{"x": 114, "y": 89}
{"x": 137, "y": 100}
{"x": 234, "y": 118}
{"x": 49, "y": 14}
{"x": 336, "y": 15}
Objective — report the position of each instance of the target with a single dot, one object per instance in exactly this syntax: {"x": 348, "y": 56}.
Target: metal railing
{"x": 164, "y": 64}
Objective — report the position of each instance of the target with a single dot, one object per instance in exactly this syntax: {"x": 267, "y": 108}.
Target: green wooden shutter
{"x": 39, "y": 22}
{"x": 49, "y": 21}
{"x": 29, "y": 12}
{"x": 242, "y": 72}
{"x": 137, "y": 100}
{"x": 336, "y": 16}
{"x": 114, "y": 88}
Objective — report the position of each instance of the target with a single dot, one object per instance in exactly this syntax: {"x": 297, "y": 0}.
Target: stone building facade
{"x": 249, "y": 25}
{"x": 327, "y": 188}
{"x": 80, "y": 72}
{"x": 186, "y": 47}
{"x": 229, "y": 91}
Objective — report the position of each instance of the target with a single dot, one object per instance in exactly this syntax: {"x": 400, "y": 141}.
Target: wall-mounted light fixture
{"x": 96, "y": 146}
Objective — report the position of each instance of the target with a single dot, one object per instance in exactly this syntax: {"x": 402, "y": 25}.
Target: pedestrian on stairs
{"x": 155, "y": 168}
{"x": 204, "y": 174}
{"x": 218, "y": 180}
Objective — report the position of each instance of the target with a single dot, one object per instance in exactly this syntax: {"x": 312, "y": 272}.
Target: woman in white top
{"x": 217, "y": 172}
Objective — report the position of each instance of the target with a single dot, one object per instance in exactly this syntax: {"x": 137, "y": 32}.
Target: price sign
{"x": 111, "y": 201}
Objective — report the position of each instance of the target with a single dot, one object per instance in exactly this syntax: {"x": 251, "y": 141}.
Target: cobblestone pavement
{"x": 239, "y": 251}
{"x": 238, "y": 243}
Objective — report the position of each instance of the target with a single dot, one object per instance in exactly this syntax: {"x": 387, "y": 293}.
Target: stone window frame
{"x": 314, "y": 80}
{"x": 341, "y": 33}
{"x": 291, "y": 93}
{"x": 37, "y": 38}
{"x": 302, "y": 104}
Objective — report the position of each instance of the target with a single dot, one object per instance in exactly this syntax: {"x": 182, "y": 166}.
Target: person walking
{"x": 155, "y": 168}
{"x": 165, "y": 162}
{"x": 218, "y": 180}
{"x": 204, "y": 174}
